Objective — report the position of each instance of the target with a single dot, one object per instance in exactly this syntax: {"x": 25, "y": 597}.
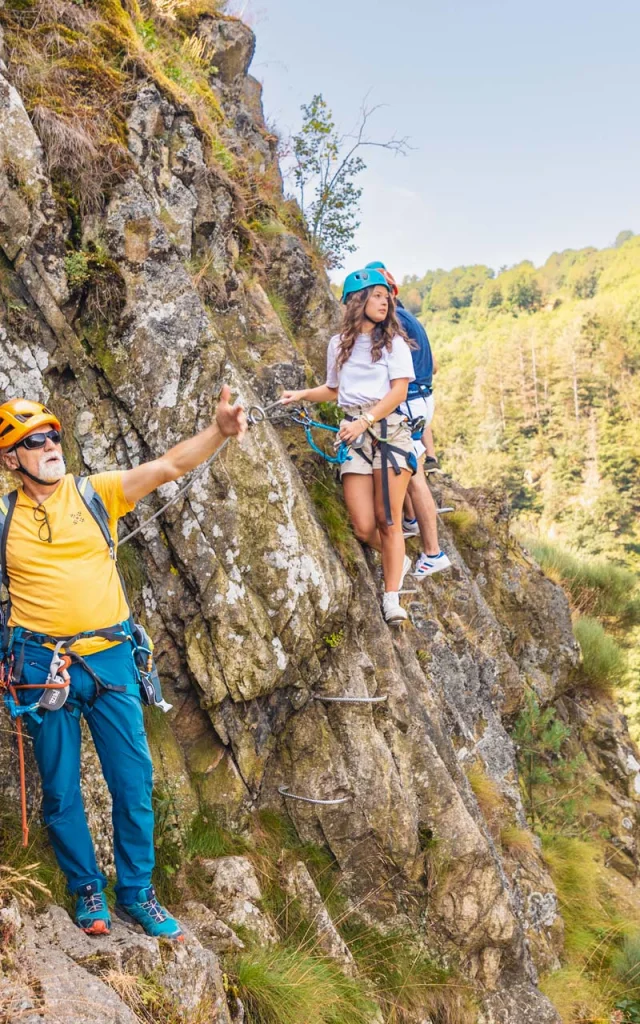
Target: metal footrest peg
{"x": 284, "y": 791}
{"x": 447, "y": 508}
{"x": 348, "y": 700}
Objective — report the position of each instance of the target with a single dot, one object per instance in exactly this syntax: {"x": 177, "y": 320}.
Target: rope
{"x": 283, "y": 791}
{"x": 255, "y": 415}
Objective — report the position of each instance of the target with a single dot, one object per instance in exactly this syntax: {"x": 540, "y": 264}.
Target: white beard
{"x": 51, "y": 471}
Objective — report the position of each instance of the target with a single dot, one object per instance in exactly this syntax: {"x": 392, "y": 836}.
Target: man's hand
{"x": 230, "y": 419}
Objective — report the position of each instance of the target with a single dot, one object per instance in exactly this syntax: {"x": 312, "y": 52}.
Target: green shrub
{"x": 76, "y": 266}
{"x": 597, "y": 587}
{"x": 603, "y": 661}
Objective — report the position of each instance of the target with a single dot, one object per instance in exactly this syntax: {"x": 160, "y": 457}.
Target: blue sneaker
{"x": 92, "y": 912}
{"x": 154, "y": 919}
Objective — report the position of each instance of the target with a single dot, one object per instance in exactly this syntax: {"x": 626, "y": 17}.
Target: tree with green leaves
{"x": 326, "y": 165}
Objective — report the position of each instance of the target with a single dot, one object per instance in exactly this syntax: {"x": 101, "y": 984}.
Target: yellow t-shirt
{"x": 72, "y": 584}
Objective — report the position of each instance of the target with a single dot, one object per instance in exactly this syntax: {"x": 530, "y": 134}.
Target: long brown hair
{"x": 352, "y": 323}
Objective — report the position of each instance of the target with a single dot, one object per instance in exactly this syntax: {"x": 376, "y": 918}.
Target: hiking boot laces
{"x": 154, "y": 909}
{"x": 93, "y": 903}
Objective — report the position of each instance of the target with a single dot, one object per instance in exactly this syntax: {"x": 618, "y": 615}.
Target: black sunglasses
{"x": 38, "y": 440}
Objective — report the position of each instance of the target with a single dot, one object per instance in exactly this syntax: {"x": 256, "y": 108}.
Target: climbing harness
{"x": 284, "y": 791}
{"x": 388, "y": 453}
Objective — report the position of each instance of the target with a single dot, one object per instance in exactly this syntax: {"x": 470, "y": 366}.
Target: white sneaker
{"x": 393, "y": 613}
{"x": 406, "y": 565}
{"x": 410, "y": 528}
{"x": 427, "y": 565}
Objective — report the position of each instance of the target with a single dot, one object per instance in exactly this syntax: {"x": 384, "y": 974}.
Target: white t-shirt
{"x": 361, "y": 381}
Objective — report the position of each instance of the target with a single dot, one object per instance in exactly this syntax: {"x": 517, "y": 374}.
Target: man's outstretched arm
{"x": 229, "y": 421}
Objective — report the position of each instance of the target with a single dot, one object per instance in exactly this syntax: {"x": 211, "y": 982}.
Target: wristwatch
{"x": 369, "y": 418}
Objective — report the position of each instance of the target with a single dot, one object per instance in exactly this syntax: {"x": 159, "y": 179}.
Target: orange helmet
{"x": 19, "y": 416}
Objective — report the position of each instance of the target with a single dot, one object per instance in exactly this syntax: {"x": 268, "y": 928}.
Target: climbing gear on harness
{"x": 284, "y": 791}
{"x": 427, "y": 565}
{"x": 153, "y": 918}
{"x": 361, "y": 279}
{"x": 19, "y": 416}
{"x": 147, "y": 671}
{"x": 92, "y": 913}
{"x": 301, "y": 416}
{"x": 56, "y": 687}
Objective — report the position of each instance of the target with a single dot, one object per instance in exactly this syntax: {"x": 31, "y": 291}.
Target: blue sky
{"x": 523, "y": 117}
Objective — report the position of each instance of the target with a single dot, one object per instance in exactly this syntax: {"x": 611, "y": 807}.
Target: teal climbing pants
{"x": 116, "y": 724}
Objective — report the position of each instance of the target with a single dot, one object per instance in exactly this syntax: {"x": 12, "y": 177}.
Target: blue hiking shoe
{"x": 92, "y": 912}
{"x": 154, "y": 919}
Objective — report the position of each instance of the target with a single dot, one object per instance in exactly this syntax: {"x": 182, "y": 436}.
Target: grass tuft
{"x": 596, "y": 587}
{"x": 281, "y": 985}
{"x": 603, "y": 661}
{"x": 282, "y": 311}
{"x": 465, "y": 525}
{"x": 516, "y": 840}
{"x": 485, "y": 790}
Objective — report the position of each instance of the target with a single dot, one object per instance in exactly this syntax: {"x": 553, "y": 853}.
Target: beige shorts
{"x": 399, "y": 436}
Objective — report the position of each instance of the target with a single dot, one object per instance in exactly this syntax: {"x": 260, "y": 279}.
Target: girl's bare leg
{"x": 391, "y": 538}
{"x": 358, "y": 496}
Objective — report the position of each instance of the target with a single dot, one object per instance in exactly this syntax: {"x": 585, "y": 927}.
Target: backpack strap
{"x": 96, "y": 508}
{"x": 7, "y": 505}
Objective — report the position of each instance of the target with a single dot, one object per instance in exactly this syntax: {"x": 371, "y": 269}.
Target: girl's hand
{"x": 289, "y": 397}
{"x": 349, "y": 431}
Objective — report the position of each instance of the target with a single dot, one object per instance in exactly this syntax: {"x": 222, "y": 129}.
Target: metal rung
{"x": 408, "y": 591}
{"x": 448, "y": 508}
{"x": 283, "y": 791}
{"x": 348, "y": 700}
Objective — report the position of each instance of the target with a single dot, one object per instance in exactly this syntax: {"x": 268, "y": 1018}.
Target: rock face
{"x": 255, "y": 615}
{"x": 58, "y": 970}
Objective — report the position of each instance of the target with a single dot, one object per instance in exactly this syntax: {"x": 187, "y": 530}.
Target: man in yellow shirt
{"x": 64, "y": 585}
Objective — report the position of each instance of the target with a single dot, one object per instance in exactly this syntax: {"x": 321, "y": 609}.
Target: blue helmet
{"x": 376, "y": 265}
{"x": 361, "y": 279}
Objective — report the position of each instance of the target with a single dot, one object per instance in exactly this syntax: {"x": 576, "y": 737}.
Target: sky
{"x": 523, "y": 119}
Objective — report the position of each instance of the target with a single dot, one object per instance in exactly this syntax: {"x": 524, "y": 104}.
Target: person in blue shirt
{"x": 420, "y": 513}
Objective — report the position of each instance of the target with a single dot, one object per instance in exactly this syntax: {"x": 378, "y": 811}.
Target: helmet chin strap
{"x": 36, "y": 479}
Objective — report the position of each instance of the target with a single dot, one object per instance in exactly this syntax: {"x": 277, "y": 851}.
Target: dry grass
{"x": 516, "y": 840}
{"x": 22, "y": 884}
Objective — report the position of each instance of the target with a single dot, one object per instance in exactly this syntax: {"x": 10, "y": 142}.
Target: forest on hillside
{"x": 538, "y": 394}
{"x": 539, "y": 389}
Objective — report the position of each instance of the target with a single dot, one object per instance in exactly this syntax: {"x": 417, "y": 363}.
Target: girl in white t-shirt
{"x": 369, "y": 367}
